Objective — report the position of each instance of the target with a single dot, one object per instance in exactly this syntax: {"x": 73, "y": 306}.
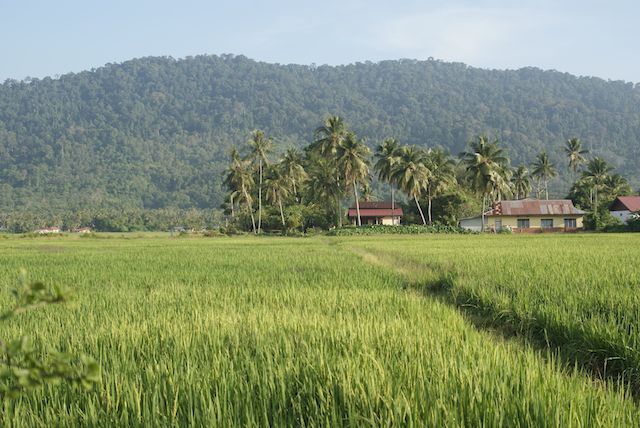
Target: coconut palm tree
{"x": 239, "y": 179}
{"x": 412, "y": 175}
{"x": 616, "y": 185}
{"x": 388, "y": 157}
{"x": 581, "y": 193}
{"x": 596, "y": 173}
{"x": 544, "y": 170}
{"x": 260, "y": 147}
{"x": 441, "y": 167}
{"x": 486, "y": 167}
{"x": 233, "y": 197}
{"x": 327, "y": 140}
{"x": 276, "y": 187}
{"x": 293, "y": 169}
{"x": 353, "y": 164}
{"x": 521, "y": 182}
{"x": 322, "y": 183}
{"x": 366, "y": 192}
{"x": 329, "y": 136}
{"x": 573, "y": 149}
{"x": 230, "y": 180}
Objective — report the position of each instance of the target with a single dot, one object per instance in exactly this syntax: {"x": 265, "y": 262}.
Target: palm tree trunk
{"x": 338, "y": 208}
{"x": 429, "y": 208}
{"x": 484, "y": 203}
{"x": 415, "y": 197}
{"x": 247, "y": 198}
{"x": 281, "y": 211}
{"x": 295, "y": 193}
{"x": 546, "y": 189}
{"x": 260, "y": 198}
{"x": 233, "y": 212}
{"x": 355, "y": 192}
{"x": 393, "y": 206}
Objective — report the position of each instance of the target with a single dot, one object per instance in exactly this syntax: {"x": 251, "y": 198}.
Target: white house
{"x": 624, "y": 206}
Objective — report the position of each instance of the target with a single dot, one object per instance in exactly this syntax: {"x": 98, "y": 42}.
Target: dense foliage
{"x": 156, "y": 132}
{"x": 396, "y": 230}
{"x": 112, "y": 220}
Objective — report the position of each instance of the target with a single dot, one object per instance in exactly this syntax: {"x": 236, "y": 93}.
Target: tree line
{"x": 113, "y": 220}
{"x": 309, "y": 187}
{"x": 155, "y": 133}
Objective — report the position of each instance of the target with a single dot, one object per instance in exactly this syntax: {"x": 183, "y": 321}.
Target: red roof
{"x": 622, "y": 203}
{"x": 535, "y": 207}
{"x": 375, "y": 205}
{"x": 367, "y": 212}
{"x": 376, "y": 209}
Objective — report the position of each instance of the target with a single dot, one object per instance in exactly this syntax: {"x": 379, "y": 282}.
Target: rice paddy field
{"x": 438, "y": 330}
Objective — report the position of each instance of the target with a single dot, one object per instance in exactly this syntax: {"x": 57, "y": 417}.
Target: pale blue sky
{"x": 598, "y": 38}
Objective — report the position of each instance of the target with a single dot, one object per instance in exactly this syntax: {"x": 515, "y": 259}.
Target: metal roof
{"x": 368, "y": 212}
{"x": 631, "y": 203}
{"x": 535, "y": 207}
{"x": 374, "y": 205}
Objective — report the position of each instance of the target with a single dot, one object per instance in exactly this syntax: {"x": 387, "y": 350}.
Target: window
{"x": 546, "y": 223}
{"x": 570, "y": 223}
{"x": 523, "y": 223}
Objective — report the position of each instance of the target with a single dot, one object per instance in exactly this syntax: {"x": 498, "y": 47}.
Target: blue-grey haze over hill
{"x": 589, "y": 37}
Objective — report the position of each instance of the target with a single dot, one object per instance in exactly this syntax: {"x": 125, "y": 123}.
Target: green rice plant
{"x": 576, "y": 293}
{"x": 249, "y": 331}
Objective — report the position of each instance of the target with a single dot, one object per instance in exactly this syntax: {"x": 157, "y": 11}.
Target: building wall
{"x": 387, "y": 221}
{"x": 390, "y": 221}
{"x": 534, "y": 221}
{"x": 623, "y": 216}
{"x": 474, "y": 224}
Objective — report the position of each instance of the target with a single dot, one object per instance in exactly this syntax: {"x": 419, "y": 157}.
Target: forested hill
{"x": 156, "y": 132}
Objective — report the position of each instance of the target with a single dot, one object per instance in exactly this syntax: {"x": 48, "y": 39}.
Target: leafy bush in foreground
{"x": 20, "y": 366}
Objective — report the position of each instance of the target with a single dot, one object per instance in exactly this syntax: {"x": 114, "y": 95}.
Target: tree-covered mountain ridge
{"x": 156, "y": 132}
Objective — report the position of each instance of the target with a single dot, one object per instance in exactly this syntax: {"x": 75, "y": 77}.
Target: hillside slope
{"x": 155, "y": 132}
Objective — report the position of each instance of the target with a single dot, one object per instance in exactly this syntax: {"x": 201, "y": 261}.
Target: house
{"x": 47, "y": 230}
{"x": 624, "y": 206}
{"x": 376, "y": 213}
{"x": 82, "y": 230}
{"x": 529, "y": 215}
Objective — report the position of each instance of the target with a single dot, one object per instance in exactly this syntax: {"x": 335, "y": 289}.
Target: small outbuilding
{"x": 383, "y": 212}
{"x": 624, "y": 206}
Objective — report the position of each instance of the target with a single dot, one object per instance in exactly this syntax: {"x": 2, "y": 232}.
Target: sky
{"x": 587, "y": 38}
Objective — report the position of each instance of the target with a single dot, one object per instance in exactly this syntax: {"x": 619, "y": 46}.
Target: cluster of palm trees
{"x": 416, "y": 172}
{"x": 254, "y": 173}
{"x": 337, "y": 164}
{"x": 591, "y": 176}
{"x": 333, "y": 166}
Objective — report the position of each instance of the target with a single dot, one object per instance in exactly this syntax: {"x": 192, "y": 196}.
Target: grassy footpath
{"x": 281, "y": 332}
{"x": 579, "y": 293}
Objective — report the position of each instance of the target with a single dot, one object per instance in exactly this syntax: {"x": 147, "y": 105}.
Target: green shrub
{"x": 397, "y": 230}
